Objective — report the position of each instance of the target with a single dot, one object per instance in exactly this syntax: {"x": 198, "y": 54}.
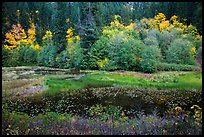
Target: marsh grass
{"x": 16, "y": 87}
{"x": 164, "y": 80}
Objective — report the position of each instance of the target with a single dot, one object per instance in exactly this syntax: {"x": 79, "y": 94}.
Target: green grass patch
{"x": 63, "y": 85}
{"x": 161, "y": 80}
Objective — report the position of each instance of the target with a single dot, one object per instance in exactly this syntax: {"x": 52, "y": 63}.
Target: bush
{"x": 125, "y": 52}
{"x": 5, "y": 56}
{"x": 14, "y": 59}
{"x": 199, "y": 56}
{"x": 98, "y": 52}
{"x": 28, "y": 56}
{"x": 151, "y": 41}
{"x": 150, "y": 58}
{"x": 47, "y": 56}
{"x": 142, "y": 34}
{"x": 165, "y": 40}
{"x": 154, "y": 33}
{"x": 179, "y": 52}
{"x": 176, "y": 67}
{"x": 42, "y": 58}
{"x": 71, "y": 57}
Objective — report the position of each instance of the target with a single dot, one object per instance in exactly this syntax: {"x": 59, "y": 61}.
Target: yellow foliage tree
{"x": 116, "y": 22}
{"x": 102, "y": 63}
{"x": 31, "y": 34}
{"x": 71, "y": 38}
{"x": 47, "y": 38}
{"x": 115, "y": 27}
{"x": 72, "y": 42}
{"x": 31, "y": 40}
{"x": 15, "y": 37}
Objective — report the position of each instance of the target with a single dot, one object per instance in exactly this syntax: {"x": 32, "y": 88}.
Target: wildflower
{"x": 69, "y": 32}
{"x": 178, "y": 108}
{"x": 68, "y": 20}
{"x": 70, "y": 40}
{"x": 131, "y": 26}
{"x": 112, "y": 23}
{"x": 37, "y": 47}
{"x": 77, "y": 38}
{"x": 195, "y": 107}
{"x": 193, "y": 52}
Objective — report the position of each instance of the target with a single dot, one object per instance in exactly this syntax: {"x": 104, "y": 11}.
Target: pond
{"x": 131, "y": 101}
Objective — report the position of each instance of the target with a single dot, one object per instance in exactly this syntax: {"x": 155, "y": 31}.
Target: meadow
{"x": 56, "y": 101}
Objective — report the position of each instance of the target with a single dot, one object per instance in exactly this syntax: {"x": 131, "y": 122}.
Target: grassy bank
{"x": 161, "y": 80}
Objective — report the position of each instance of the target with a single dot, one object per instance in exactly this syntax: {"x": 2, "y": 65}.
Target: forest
{"x": 102, "y": 68}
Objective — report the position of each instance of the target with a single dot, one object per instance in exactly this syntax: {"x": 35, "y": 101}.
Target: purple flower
{"x": 172, "y": 120}
{"x": 36, "y": 124}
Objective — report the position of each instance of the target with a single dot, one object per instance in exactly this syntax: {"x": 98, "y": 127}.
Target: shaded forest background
{"x": 139, "y": 36}
{"x": 55, "y": 15}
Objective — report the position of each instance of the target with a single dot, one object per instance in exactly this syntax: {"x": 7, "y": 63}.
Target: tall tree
{"x": 89, "y": 28}
{"x": 9, "y": 17}
{"x": 59, "y": 25}
{"x": 197, "y": 16}
{"x": 24, "y": 14}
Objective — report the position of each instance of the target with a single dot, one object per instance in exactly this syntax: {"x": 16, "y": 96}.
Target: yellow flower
{"x": 116, "y": 17}
{"x": 70, "y": 32}
{"x": 112, "y": 23}
{"x": 116, "y": 22}
{"x": 68, "y": 20}
{"x": 164, "y": 25}
{"x": 193, "y": 51}
{"x": 7, "y": 47}
{"x": 174, "y": 17}
{"x": 77, "y": 38}
{"x": 70, "y": 40}
{"x": 198, "y": 36}
{"x": 131, "y": 26}
{"x": 37, "y": 47}
{"x": 195, "y": 107}
{"x": 178, "y": 108}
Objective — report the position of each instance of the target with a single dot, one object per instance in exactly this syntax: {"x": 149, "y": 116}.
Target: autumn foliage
{"x": 15, "y": 37}
{"x": 119, "y": 46}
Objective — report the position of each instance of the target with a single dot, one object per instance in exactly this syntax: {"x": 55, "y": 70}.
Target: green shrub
{"x": 28, "y": 56}
{"x": 199, "y": 56}
{"x": 151, "y": 41}
{"x": 47, "y": 56}
{"x": 42, "y": 58}
{"x": 14, "y": 59}
{"x": 98, "y": 52}
{"x": 176, "y": 67}
{"x": 150, "y": 58}
{"x": 71, "y": 57}
{"x": 112, "y": 67}
{"x": 142, "y": 34}
{"x": 5, "y": 56}
{"x": 125, "y": 52}
{"x": 165, "y": 39}
{"x": 154, "y": 33}
{"x": 180, "y": 52}
{"x": 15, "y": 123}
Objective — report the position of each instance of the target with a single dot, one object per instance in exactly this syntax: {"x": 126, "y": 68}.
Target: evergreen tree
{"x": 59, "y": 25}
{"x": 9, "y": 17}
{"x": 90, "y": 32}
{"x": 24, "y": 15}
